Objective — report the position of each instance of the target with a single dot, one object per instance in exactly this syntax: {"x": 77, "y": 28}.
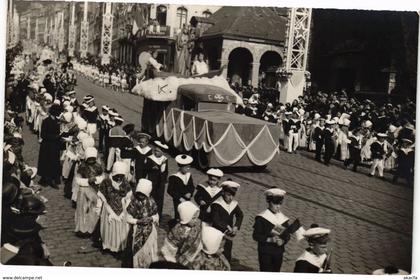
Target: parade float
{"x": 197, "y": 115}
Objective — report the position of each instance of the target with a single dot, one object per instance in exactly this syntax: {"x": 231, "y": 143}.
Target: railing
{"x": 157, "y": 30}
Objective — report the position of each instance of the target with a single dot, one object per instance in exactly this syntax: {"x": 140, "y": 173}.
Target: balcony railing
{"x": 156, "y": 31}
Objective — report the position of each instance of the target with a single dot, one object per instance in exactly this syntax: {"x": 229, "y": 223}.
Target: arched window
{"x": 207, "y": 13}
{"x": 181, "y": 15}
{"x": 161, "y": 14}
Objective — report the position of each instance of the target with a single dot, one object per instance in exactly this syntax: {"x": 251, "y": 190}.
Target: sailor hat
{"x": 183, "y": 159}
{"x": 230, "y": 186}
{"x": 91, "y": 152}
{"x": 382, "y": 135}
{"x": 106, "y": 108}
{"x": 119, "y": 118}
{"x": 275, "y": 192}
{"x": 215, "y": 172}
{"x": 161, "y": 145}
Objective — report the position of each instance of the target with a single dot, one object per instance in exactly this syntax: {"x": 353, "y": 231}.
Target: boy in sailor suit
{"x": 102, "y": 123}
{"x": 268, "y": 228}
{"x": 315, "y": 258}
{"x": 139, "y": 154}
{"x": 91, "y": 115}
{"x": 207, "y": 192}
{"x": 379, "y": 151}
{"x": 226, "y": 215}
{"x": 180, "y": 185}
{"x": 157, "y": 172}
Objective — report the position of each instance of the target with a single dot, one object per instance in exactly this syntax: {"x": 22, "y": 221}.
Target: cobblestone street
{"x": 371, "y": 219}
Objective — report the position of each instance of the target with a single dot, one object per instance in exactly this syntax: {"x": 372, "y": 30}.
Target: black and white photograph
{"x": 208, "y": 137}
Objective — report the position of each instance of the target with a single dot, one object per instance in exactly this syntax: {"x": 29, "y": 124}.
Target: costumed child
{"x": 272, "y": 231}
{"x": 157, "y": 172}
{"x": 139, "y": 154}
{"x": 378, "y": 150}
{"x": 142, "y": 214}
{"x": 210, "y": 257}
{"x": 114, "y": 196}
{"x": 183, "y": 242}
{"x": 227, "y": 216}
{"x": 89, "y": 177}
{"x": 102, "y": 125}
{"x": 315, "y": 258}
{"x": 180, "y": 185}
{"x": 207, "y": 192}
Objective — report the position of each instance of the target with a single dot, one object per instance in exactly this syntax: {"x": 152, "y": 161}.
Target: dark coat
{"x": 49, "y": 151}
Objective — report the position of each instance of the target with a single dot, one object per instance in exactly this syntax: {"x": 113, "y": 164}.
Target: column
{"x": 28, "y": 31}
{"x": 51, "y": 33}
{"x": 84, "y": 33}
{"x": 106, "y": 38}
{"x": 255, "y": 72}
{"x": 46, "y": 30}
{"x": 10, "y": 23}
{"x": 36, "y": 31}
{"x": 61, "y": 33}
{"x": 72, "y": 30}
{"x": 16, "y": 27}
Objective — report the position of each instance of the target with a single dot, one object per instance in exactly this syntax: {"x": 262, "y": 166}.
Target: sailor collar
{"x": 228, "y": 207}
{"x": 91, "y": 109}
{"x": 144, "y": 150}
{"x": 184, "y": 177}
{"x": 11, "y": 248}
{"x": 313, "y": 259}
{"x": 157, "y": 160}
{"x": 212, "y": 191}
{"x": 276, "y": 219}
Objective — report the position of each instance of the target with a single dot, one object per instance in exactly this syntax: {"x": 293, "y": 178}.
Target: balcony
{"x": 156, "y": 31}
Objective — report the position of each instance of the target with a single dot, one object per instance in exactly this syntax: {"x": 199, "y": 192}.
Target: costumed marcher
{"x": 378, "y": 152}
{"x": 142, "y": 214}
{"x": 91, "y": 115}
{"x": 227, "y": 216}
{"x": 329, "y": 136}
{"x": 180, "y": 185}
{"x": 89, "y": 177}
{"x": 272, "y": 231}
{"x": 114, "y": 196}
{"x": 49, "y": 152}
{"x": 286, "y": 129}
{"x": 115, "y": 136}
{"x": 207, "y": 192}
{"x": 355, "y": 147}
{"x": 183, "y": 242}
{"x": 102, "y": 125}
{"x": 315, "y": 259}
{"x": 318, "y": 138}
{"x": 294, "y": 127}
{"x": 157, "y": 172}
{"x": 405, "y": 160}
{"x": 139, "y": 154}
{"x": 210, "y": 256}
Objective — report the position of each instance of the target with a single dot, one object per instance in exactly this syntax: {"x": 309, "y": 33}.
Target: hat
{"x": 183, "y": 159}
{"x": 105, "y": 108}
{"x": 90, "y": 152}
{"x": 230, "y": 186}
{"x": 282, "y": 108}
{"x": 66, "y": 103}
{"x": 143, "y": 135}
{"x": 288, "y": 113}
{"x": 43, "y": 90}
{"x": 67, "y": 116}
{"x": 34, "y": 171}
{"x": 81, "y": 123}
{"x": 212, "y": 238}
{"x": 57, "y": 102}
{"x": 382, "y": 135}
{"x": 119, "y": 118}
{"x": 186, "y": 211}
{"x": 113, "y": 113}
{"x": 144, "y": 186}
{"x": 71, "y": 92}
{"x": 270, "y": 105}
{"x": 317, "y": 234}
{"x": 407, "y": 140}
{"x": 82, "y": 135}
{"x": 275, "y": 192}
{"x": 301, "y": 112}
{"x": 390, "y": 270}
{"x": 368, "y": 124}
{"x": 161, "y": 145}
{"x": 346, "y": 122}
{"x": 119, "y": 168}
{"x": 215, "y": 172}
{"x": 48, "y": 97}
{"x": 88, "y": 142}
{"x": 32, "y": 205}
{"x": 392, "y": 128}
{"x": 69, "y": 109}
{"x": 330, "y": 122}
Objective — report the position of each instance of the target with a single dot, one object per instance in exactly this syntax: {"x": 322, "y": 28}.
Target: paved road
{"x": 371, "y": 219}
